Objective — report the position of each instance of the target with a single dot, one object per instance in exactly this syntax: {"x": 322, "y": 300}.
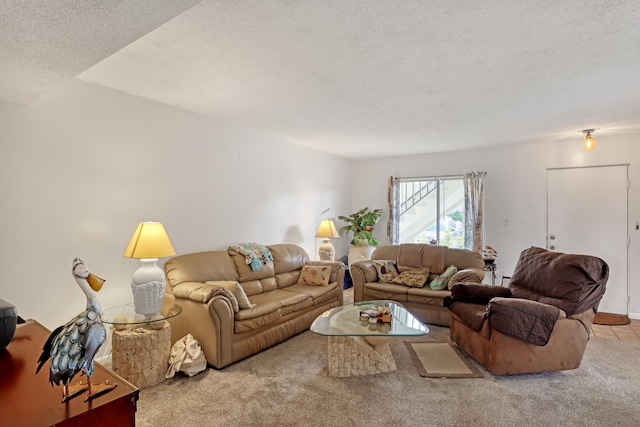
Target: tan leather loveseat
{"x": 424, "y": 303}
{"x": 281, "y": 308}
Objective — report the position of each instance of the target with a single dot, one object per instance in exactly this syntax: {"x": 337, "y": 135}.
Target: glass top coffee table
{"x": 358, "y": 346}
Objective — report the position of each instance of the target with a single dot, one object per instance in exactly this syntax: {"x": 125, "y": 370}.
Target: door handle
{"x": 552, "y": 237}
{"x": 552, "y": 248}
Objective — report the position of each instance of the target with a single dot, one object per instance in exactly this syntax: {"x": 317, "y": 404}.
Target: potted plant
{"x": 361, "y": 225}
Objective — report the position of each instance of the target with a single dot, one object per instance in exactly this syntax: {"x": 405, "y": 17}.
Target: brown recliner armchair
{"x": 540, "y": 322}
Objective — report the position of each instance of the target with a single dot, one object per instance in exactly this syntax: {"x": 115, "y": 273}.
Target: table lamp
{"x": 148, "y": 243}
{"x": 327, "y": 231}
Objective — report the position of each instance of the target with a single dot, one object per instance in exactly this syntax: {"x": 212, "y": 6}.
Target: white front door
{"x": 587, "y": 214}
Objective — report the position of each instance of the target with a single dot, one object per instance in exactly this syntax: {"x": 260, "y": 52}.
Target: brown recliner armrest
{"x": 478, "y": 293}
{"x": 526, "y": 320}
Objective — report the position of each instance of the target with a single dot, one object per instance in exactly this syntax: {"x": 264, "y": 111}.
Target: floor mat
{"x": 611, "y": 319}
{"x": 441, "y": 360}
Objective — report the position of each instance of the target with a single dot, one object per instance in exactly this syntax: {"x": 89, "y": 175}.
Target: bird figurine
{"x": 73, "y": 346}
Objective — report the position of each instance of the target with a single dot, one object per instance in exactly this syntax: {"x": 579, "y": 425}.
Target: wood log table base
{"x": 141, "y": 354}
{"x": 359, "y": 355}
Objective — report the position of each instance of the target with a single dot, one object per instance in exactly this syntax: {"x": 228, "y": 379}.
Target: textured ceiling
{"x": 357, "y": 78}
{"x": 45, "y": 43}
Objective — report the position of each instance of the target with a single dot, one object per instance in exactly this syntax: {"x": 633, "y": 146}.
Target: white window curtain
{"x": 473, "y": 201}
{"x": 393, "y": 204}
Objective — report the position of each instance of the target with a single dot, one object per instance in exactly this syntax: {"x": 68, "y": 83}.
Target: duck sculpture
{"x": 73, "y": 346}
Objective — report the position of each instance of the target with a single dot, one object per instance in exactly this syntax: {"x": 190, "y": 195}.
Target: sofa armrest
{"x": 479, "y": 293}
{"x": 523, "y": 319}
{"x": 204, "y": 292}
{"x": 362, "y": 272}
{"x": 469, "y": 274}
{"x": 366, "y": 270}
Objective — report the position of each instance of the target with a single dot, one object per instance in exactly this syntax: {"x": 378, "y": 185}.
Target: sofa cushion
{"x": 253, "y": 322}
{"x": 428, "y": 296}
{"x": 245, "y": 274}
{"x": 381, "y": 290}
{"x": 417, "y": 255}
{"x": 269, "y": 307}
{"x": 288, "y": 257}
{"x": 236, "y": 290}
{"x": 464, "y": 275}
{"x": 386, "y": 269}
{"x": 268, "y": 284}
{"x": 200, "y": 267}
{"x": 440, "y": 282}
{"x": 415, "y": 278}
{"x": 262, "y": 304}
{"x": 252, "y": 287}
{"x": 463, "y": 258}
{"x": 314, "y": 275}
{"x": 288, "y": 278}
{"x": 318, "y": 293}
{"x": 289, "y": 302}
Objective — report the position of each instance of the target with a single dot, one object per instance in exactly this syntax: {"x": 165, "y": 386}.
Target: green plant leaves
{"x": 361, "y": 225}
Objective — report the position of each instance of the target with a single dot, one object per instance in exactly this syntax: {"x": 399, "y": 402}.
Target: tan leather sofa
{"x": 541, "y": 322}
{"x": 424, "y": 303}
{"x": 282, "y": 307}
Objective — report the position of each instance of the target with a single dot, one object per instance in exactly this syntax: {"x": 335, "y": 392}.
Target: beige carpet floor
{"x": 288, "y": 385}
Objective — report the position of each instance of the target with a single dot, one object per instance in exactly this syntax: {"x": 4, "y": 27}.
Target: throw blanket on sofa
{"x": 256, "y": 255}
{"x": 416, "y": 255}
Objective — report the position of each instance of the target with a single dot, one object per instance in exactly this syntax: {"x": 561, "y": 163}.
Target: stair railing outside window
{"x": 437, "y": 210}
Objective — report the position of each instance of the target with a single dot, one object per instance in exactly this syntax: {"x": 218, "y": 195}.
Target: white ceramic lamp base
{"x": 147, "y": 285}
{"x": 326, "y": 251}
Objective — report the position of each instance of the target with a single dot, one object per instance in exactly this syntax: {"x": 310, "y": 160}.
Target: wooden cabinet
{"x": 27, "y": 399}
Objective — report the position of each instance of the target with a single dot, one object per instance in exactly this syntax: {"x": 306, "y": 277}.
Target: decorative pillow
{"x": 237, "y": 291}
{"x": 315, "y": 275}
{"x": 387, "y": 270}
{"x": 464, "y": 275}
{"x": 440, "y": 282}
{"x": 415, "y": 278}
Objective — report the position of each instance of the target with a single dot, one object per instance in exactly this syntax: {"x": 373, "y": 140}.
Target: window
{"x": 429, "y": 210}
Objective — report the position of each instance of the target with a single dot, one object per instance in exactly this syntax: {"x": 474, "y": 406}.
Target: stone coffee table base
{"x": 359, "y": 355}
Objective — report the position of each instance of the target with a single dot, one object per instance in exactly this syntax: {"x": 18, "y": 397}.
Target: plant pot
{"x": 360, "y": 252}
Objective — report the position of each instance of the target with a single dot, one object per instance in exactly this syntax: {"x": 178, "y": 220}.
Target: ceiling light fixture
{"x": 589, "y": 143}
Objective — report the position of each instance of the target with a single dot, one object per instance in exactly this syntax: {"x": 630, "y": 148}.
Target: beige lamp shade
{"x": 150, "y": 240}
{"x": 327, "y": 230}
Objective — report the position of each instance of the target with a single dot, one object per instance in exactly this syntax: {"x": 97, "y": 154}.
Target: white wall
{"x": 515, "y": 189}
{"x": 83, "y": 166}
